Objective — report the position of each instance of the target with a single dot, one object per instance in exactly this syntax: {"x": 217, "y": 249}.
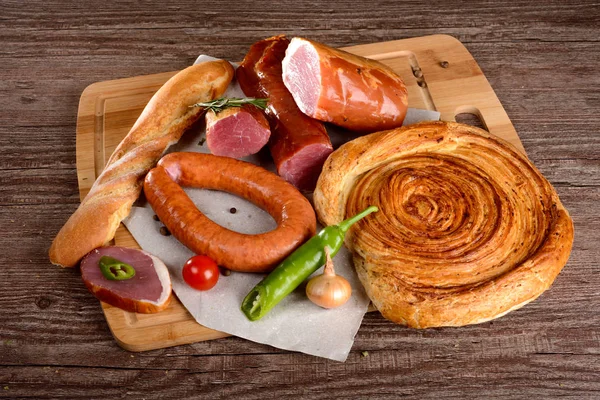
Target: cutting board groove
{"x": 440, "y": 75}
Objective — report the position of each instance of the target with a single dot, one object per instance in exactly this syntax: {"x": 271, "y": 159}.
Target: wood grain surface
{"x": 542, "y": 61}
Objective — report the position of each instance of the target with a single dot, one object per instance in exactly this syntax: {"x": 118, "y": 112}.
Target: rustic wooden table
{"x": 541, "y": 59}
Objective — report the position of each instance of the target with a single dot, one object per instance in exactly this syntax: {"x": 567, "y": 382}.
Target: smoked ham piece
{"x": 149, "y": 291}
{"x": 299, "y": 144}
{"x": 350, "y": 91}
{"x": 236, "y": 131}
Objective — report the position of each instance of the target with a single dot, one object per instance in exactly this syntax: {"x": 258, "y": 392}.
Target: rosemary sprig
{"x": 219, "y": 105}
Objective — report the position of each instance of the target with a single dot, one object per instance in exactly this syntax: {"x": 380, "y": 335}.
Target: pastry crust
{"x": 468, "y": 228}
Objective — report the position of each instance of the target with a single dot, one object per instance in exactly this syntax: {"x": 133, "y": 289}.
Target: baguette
{"x": 163, "y": 121}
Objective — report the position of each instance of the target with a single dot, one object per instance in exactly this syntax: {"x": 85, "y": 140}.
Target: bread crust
{"x": 164, "y": 119}
{"x": 468, "y": 228}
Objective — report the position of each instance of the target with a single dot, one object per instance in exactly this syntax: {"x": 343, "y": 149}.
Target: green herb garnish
{"x": 219, "y": 105}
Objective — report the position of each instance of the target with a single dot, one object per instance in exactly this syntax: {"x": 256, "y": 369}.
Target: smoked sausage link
{"x": 299, "y": 144}
{"x": 293, "y": 213}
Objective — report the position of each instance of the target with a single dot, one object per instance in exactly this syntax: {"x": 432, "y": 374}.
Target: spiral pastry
{"x": 468, "y": 228}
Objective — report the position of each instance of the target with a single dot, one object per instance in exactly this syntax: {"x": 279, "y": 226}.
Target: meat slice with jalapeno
{"x": 130, "y": 279}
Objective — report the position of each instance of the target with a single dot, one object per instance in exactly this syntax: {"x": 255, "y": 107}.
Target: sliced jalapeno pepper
{"x": 115, "y": 270}
{"x": 305, "y": 260}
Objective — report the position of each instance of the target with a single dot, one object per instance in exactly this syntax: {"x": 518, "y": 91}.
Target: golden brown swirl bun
{"x": 468, "y": 228}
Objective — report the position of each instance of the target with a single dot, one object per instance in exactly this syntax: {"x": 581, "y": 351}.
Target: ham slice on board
{"x": 149, "y": 291}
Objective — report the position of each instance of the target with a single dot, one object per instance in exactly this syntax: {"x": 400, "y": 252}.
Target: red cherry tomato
{"x": 201, "y": 272}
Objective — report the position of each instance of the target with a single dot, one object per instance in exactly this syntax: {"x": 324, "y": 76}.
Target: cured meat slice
{"x": 149, "y": 291}
{"x": 237, "y": 131}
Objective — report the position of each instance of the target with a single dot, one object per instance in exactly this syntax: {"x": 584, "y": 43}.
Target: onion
{"x": 328, "y": 290}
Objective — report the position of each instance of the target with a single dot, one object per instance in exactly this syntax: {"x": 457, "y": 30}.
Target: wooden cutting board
{"x": 440, "y": 75}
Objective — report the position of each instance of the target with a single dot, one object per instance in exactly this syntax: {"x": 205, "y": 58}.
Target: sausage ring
{"x": 292, "y": 212}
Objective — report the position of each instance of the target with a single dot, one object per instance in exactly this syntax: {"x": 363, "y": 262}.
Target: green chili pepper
{"x": 297, "y": 267}
{"x": 115, "y": 270}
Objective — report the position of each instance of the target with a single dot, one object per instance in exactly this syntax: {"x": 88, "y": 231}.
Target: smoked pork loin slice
{"x": 149, "y": 291}
{"x": 236, "y": 131}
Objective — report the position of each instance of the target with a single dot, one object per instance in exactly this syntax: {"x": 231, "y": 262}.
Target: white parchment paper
{"x": 295, "y": 323}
